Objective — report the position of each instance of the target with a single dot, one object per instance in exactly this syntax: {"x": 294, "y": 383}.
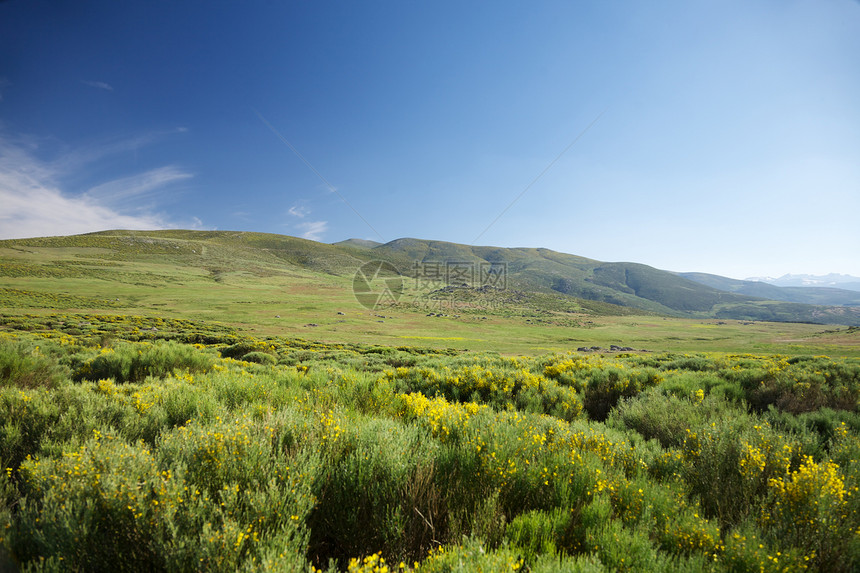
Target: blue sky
{"x": 719, "y": 136}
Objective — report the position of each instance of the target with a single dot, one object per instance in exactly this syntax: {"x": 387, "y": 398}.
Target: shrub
{"x": 727, "y": 465}
{"x": 110, "y": 506}
{"x": 608, "y": 385}
{"x": 240, "y": 349}
{"x": 24, "y": 366}
{"x": 500, "y": 387}
{"x": 245, "y": 466}
{"x": 377, "y": 482}
{"x": 259, "y": 358}
{"x": 696, "y": 363}
{"x": 666, "y": 418}
{"x": 745, "y": 549}
{"x": 619, "y": 548}
{"x": 541, "y": 532}
{"x": 134, "y": 362}
{"x": 810, "y": 509}
{"x": 77, "y": 502}
{"x": 28, "y": 417}
{"x": 472, "y": 556}
{"x": 815, "y": 429}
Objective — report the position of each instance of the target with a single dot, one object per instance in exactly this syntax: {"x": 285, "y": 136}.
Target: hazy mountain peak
{"x": 834, "y": 280}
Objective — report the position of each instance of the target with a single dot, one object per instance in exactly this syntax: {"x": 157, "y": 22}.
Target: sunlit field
{"x": 133, "y": 443}
{"x": 429, "y": 287}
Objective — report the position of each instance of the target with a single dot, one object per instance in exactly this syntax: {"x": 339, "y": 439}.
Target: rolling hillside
{"x": 531, "y": 276}
{"x": 625, "y": 284}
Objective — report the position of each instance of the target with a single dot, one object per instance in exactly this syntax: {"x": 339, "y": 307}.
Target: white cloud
{"x": 120, "y": 192}
{"x": 313, "y": 230}
{"x": 46, "y": 212}
{"x": 299, "y": 211}
{"x": 34, "y": 203}
{"x": 99, "y": 85}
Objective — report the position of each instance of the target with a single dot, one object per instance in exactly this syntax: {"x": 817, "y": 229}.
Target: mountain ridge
{"x": 522, "y": 269}
{"x": 620, "y": 283}
{"x": 805, "y": 294}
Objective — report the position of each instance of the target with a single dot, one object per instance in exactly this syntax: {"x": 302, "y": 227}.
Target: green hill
{"x": 624, "y": 284}
{"x": 508, "y": 277}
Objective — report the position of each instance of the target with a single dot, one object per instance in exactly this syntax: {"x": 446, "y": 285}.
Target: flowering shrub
{"x": 501, "y": 387}
{"x": 811, "y": 509}
{"x": 161, "y": 455}
{"x": 727, "y": 467}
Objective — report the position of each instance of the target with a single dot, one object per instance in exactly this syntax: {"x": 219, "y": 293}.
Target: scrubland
{"x": 142, "y": 443}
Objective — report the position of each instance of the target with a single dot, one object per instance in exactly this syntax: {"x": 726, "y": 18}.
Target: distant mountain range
{"x": 539, "y": 277}
{"x": 810, "y": 294}
{"x": 629, "y": 285}
{"x": 832, "y": 280}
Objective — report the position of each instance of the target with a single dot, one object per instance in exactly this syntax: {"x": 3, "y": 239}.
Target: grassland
{"x": 166, "y": 405}
{"x": 246, "y": 283}
{"x": 142, "y": 443}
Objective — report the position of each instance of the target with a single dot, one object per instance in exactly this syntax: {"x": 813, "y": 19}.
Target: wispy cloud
{"x": 298, "y": 211}
{"x": 35, "y": 204}
{"x": 121, "y": 192}
{"x": 46, "y": 212}
{"x": 73, "y": 160}
{"x": 313, "y": 230}
{"x": 99, "y": 85}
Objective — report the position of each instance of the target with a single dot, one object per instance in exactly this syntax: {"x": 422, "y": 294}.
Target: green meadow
{"x": 183, "y": 402}
{"x": 266, "y": 288}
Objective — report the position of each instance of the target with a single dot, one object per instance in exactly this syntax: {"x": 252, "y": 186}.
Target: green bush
{"x": 810, "y": 509}
{"x": 378, "y": 482}
{"x": 75, "y": 503}
{"x": 666, "y": 418}
{"x": 817, "y": 429}
{"x": 135, "y": 362}
{"x": 240, "y": 349}
{"x": 727, "y": 467}
{"x": 110, "y": 506}
{"x": 539, "y": 532}
{"x": 28, "y": 417}
{"x": 497, "y": 384}
{"x": 260, "y": 358}
{"x": 24, "y": 366}
{"x": 607, "y": 386}
{"x": 165, "y": 458}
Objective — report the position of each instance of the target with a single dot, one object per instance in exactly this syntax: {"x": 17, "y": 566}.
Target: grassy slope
{"x": 627, "y": 284}
{"x": 276, "y": 285}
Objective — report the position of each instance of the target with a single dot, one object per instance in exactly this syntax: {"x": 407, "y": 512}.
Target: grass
{"x": 274, "y": 291}
{"x": 166, "y": 405}
{"x": 249, "y": 279}
{"x": 127, "y": 446}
